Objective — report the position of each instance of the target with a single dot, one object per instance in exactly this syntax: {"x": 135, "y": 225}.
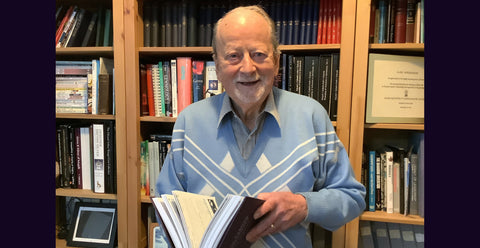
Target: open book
{"x": 196, "y": 221}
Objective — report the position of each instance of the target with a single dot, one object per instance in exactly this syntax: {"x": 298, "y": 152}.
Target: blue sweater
{"x": 295, "y": 153}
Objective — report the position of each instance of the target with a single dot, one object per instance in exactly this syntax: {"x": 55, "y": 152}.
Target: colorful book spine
{"x": 184, "y": 82}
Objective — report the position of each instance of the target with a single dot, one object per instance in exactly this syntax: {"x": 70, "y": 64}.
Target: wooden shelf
{"x": 412, "y": 47}
{"x": 85, "y": 116}
{"x": 392, "y": 217}
{"x": 402, "y": 126}
{"x": 157, "y": 119}
{"x": 84, "y": 193}
{"x": 97, "y": 51}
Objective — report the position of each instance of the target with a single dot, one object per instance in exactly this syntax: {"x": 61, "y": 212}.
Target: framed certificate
{"x": 395, "y": 92}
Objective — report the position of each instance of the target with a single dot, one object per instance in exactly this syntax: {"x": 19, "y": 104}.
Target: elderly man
{"x": 261, "y": 141}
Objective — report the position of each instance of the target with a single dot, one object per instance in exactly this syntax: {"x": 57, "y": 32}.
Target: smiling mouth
{"x": 248, "y": 83}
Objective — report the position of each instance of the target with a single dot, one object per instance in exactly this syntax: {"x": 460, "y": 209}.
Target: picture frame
{"x": 93, "y": 225}
{"x": 395, "y": 89}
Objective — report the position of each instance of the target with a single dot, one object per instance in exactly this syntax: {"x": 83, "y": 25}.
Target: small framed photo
{"x": 93, "y": 225}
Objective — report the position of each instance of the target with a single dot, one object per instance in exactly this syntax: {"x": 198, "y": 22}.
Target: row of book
{"x": 85, "y": 156}
{"x": 315, "y": 76}
{"x": 375, "y": 234}
{"x": 307, "y": 21}
{"x": 189, "y": 23}
{"x": 152, "y": 155}
{"x": 394, "y": 178}
{"x": 81, "y": 27}
{"x": 168, "y": 86}
{"x": 397, "y": 21}
{"x": 85, "y": 87}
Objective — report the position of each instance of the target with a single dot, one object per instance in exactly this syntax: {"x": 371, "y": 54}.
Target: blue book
{"x": 371, "y": 181}
{"x": 382, "y": 6}
{"x": 197, "y": 79}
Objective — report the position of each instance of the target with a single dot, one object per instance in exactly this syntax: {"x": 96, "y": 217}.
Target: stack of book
{"x": 85, "y": 86}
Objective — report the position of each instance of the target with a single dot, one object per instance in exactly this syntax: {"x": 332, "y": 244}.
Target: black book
{"x": 147, "y": 16}
{"x": 89, "y": 38}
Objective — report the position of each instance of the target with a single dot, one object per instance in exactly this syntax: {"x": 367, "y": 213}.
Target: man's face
{"x": 244, "y": 61}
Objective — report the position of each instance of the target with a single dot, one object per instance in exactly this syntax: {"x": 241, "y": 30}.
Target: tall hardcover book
{"x": 372, "y": 180}
{"x": 410, "y": 21}
{"x": 389, "y": 183}
{"x": 167, "y": 86}
{"x": 198, "y": 73}
{"x": 105, "y": 86}
{"x": 400, "y": 21}
{"x": 89, "y": 38}
{"x": 173, "y": 73}
{"x": 98, "y": 148}
{"x": 86, "y": 158}
{"x": 184, "y": 82}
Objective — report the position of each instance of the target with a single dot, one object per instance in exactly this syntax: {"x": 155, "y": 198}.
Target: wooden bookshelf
{"x": 128, "y": 51}
{"x": 117, "y": 53}
{"x": 137, "y": 126}
{"x": 83, "y": 193}
{"x": 358, "y": 126}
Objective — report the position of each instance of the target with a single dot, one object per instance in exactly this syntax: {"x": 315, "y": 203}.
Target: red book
{"x": 321, "y": 12}
{"x": 184, "y": 82}
{"x": 411, "y": 9}
{"x": 59, "y": 31}
{"x": 400, "y": 20}
{"x": 338, "y": 21}
{"x": 329, "y": 21}
{"x": 151, "y": 106}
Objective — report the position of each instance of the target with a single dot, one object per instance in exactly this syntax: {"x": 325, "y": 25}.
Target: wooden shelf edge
{"x": 83, "y": 50}
{"x": 404, "y": 126}
{"x": 417, "y": 47}
{"x": 145, "y": 199}
{"x": 392, "y": 217}
{"x": 84, "y": 193}
{"x": 85, "y": 116}
{"x": 157, "y": 119}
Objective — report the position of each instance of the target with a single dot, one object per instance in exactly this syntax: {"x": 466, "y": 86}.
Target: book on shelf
{"x": 194, "y": 220}
{"x": 98, "y": 147}
{"x": 411, "y": 9}
{"x": 174, "y": 82}
{"x": 184, "y": 82}
{"x": 371, "y": 180}
{"x": 105, "y": 86}
{"x": 198, "y": 75}
{"x": 88, "y": 38}
{"x": 212, "y": 84}
{"x": 380, "y": 231}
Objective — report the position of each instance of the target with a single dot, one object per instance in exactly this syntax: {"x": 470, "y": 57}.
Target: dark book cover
{"x": 241, "y": 224}
{"x": 335, "y": 84}
{"x": 147, "y": 19}
{"x": 325, "y": 81}
{"x": 167, "y": 86}
{"x": 105, "y": 94}
{"x": 100, "y": 26}
{"x": 143, "y": 91}
{"x": 155, "y": 25}
{"x": 89, "y": 38}
{"x": 400, "y": 20}
{"x": 192, "y": 24}
{"x": 78, "y": 31}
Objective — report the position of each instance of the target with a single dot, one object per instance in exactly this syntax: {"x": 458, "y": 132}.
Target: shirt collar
{"x": 270, "y": 108}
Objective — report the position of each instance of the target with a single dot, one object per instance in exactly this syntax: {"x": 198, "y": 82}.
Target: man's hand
{"x": 280, "y": 211}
